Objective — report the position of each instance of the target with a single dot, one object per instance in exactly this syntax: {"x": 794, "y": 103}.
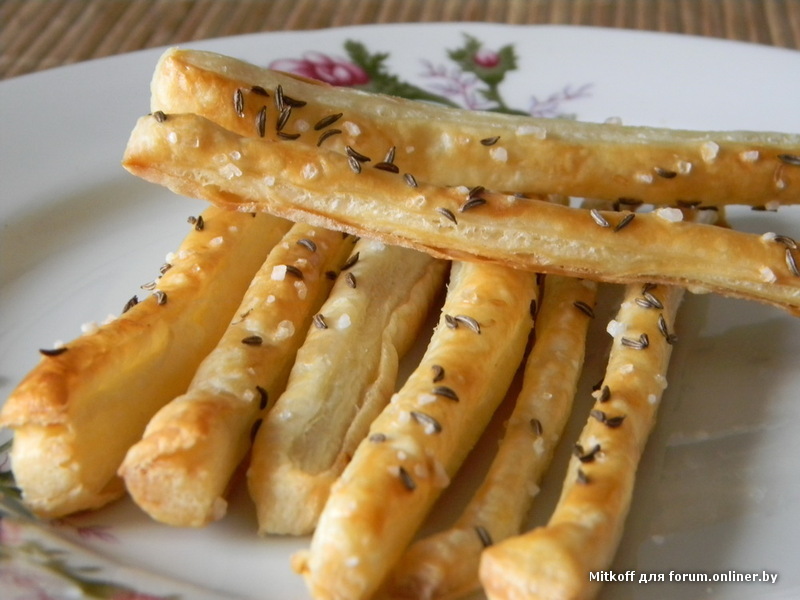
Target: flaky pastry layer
{"x": 344, "y": 374}
{"x": 322, "y": 187}
{"x": 450, "y": 146}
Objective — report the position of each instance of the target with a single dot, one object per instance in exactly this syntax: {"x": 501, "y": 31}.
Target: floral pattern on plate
{"x": 473, "y": 78}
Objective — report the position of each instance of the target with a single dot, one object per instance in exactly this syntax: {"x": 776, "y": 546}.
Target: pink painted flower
{"x": 486, "y": 58}
{"x": 316, "y": 65}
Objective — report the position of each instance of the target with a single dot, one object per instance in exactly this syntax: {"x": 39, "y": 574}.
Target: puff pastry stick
{"x": 445, "y": 564}
{"x": 448, "y": 146}
{"x": 180, "y": 470}
{"x": 78, "y": 411}
{"x": 343, "y": 376}
{"x": 554, "y": 561}
{"x": 421, "y": 438}
{"x": 303, "y": 183}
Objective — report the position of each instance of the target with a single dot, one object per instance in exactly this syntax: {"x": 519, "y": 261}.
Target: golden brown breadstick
{"x": 79, "y": 410}
{"x": 420, "y": 439}
{"x": 555, "y": 561}
{"x": 344, "y": 374}
{"x": 449, "y": 146}
{"x": 445, "y": 564}
{"x": 180, "y": 470}
{"x": 304, "y": 183}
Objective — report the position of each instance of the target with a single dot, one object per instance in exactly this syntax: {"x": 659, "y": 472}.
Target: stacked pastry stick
{"x": 296, "y": 383}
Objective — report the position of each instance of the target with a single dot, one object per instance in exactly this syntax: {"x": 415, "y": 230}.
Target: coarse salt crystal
{"x": 230, "y": 171}
{"x": 172, "y": 137}
{"x": 278, "y": 273}
{"x": 652, "y": 398}
{"x": 767, "y": 275}
{"x": 216, "y": 241}
{"x": 270, "y": 299}
{"x": 684, "y": 167}
{"x": 643, "y": 178}
{"x": 447, "y": 141}
{"x": 616, "y": 328}
{"x": 709, "y": 151}
{"x": 441, "y": 478}
{"x": 769, "y": 236}
{"x": 626, "y": 369}
{"x": 534, "y": 130}
{"x": 749, "y": 155}
{"x": 673, "y": 215}
{"x": 302, "y": 289}
{"x": 773, "y": 205}
{"x": 235, "y": 155}
{"x": 538, "y": 446}
{"x": 499, "y": 154}
{"x": 426, "y": 399}
{"x": 269, "y": 180}
{"x": 284, "y": 330}
{"x": 351, "y": 128}
{"x": 89, "y": 328}
{"x": 343, "y": 322}
{"x": 310, "y": 171}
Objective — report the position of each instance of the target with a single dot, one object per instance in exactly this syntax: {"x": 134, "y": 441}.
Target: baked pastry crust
{"x": 447, "y": 146}
{"x": 75, "y": 414}
{"x": 179, "y": 472}
{"x": 311, "y": 184}
{"x": 445, "y": 564}
{"x": 421, "y": 438}
{"x": 553, "y": 562}
{"x": 343, "y": 376}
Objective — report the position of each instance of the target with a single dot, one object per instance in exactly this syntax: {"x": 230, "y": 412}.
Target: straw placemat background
{"x": 42, "y": 34}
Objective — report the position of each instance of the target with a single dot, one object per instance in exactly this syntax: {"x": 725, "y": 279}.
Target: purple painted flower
{"x": 322, "y": 67}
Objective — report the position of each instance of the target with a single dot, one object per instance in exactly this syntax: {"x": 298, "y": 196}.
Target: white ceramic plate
{"x": 718, "y": 486}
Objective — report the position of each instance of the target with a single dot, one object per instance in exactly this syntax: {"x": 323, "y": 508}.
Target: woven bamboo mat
{"x": 42, "y": 34}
